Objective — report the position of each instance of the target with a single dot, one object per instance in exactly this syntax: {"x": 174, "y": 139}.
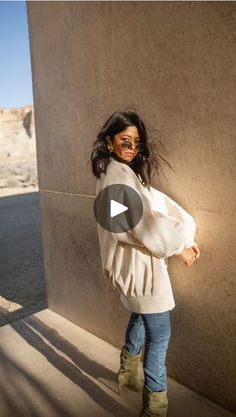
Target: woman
{"x": 135, "y": 259}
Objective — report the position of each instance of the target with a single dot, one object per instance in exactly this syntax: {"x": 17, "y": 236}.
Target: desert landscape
{"x": 18, "y": 165}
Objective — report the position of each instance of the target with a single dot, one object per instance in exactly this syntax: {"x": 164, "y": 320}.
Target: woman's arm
{"x": 162, "y": 234}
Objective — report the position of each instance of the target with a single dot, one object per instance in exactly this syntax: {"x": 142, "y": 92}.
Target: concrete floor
{"x": 50, "y": 367}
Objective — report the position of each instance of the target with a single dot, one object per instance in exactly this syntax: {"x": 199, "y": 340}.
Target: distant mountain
{"x": 18, "y": 164}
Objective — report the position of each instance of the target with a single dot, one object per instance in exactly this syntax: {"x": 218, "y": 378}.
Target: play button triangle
{"x": 116, "y": 208}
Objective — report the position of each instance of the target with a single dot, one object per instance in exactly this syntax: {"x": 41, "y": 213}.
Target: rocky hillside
{"x": 18, "y": 166}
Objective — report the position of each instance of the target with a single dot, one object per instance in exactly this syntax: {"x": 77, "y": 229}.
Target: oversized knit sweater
{"x": 136, "y": 262}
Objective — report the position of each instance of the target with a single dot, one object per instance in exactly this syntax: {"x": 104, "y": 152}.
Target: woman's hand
{"x": 190, "y": 255}
{"x": 197, "y": 251}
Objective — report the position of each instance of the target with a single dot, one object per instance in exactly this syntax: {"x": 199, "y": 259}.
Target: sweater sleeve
{"x": 163, "y": 234}
{"x": 175, "y": 210}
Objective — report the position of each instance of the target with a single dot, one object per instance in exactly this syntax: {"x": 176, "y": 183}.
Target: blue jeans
{"x": 154, "y": 330}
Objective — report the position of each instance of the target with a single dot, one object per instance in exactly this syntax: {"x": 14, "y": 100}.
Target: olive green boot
{"x": 155, "y": 403}
{"x": 128, "y": 374}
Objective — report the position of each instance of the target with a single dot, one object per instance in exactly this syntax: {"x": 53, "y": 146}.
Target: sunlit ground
{"x": 4, "y": 192}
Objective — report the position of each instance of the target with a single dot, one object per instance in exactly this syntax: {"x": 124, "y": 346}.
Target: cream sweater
{"x": 135, "y": 262}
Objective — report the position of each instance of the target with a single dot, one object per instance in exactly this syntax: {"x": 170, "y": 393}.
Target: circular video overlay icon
{"x": 118, "y": 208}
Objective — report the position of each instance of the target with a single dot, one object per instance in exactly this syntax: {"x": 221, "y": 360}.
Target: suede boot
{"x": 155, "y": 403}
{"x": 128, "y": 374}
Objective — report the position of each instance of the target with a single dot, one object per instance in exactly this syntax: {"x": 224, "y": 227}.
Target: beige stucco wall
{"x": 174, "y": 63}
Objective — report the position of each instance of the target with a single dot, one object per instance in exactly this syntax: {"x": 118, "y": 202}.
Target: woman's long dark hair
{"x": 146, "y": 163}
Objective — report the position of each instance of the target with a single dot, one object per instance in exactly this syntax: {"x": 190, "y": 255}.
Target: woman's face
{"x": 131, "y": 135}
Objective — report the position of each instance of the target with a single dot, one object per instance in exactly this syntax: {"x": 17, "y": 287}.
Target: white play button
{"x": 116, "y": 208}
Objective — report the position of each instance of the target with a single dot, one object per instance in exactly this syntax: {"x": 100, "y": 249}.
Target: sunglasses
{"x": 126, "y": 144}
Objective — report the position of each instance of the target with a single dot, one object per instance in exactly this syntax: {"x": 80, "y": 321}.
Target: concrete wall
{"x": 174, "y": 63}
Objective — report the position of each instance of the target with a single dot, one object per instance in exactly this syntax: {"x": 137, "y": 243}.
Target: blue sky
{"x": 15, "y": 67}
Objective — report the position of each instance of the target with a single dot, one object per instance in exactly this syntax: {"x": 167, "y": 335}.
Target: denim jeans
{"x": 153, "y": 330}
